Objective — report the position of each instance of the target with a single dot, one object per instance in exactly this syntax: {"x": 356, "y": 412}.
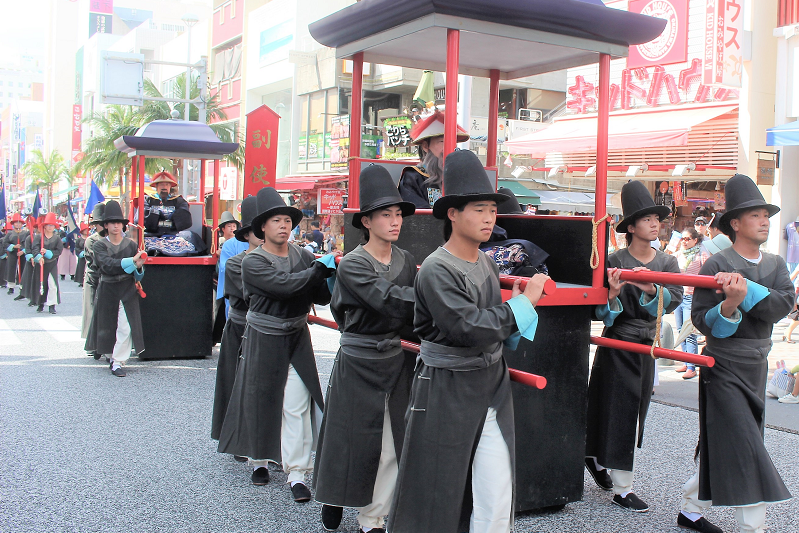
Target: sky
{"x": 23, "y": 29}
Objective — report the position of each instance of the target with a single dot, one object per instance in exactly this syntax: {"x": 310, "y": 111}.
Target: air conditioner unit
{"x": 533, "y": 115}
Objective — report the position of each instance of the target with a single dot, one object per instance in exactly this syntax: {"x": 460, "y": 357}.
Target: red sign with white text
{"x": 669, "y": 47}
{"x": 77, "y": 117}
{"x": 330, "y": 201}
{"x": 723, "y": 55}
{"x": 102, "y": 6}
{"x": 260, "y": 152}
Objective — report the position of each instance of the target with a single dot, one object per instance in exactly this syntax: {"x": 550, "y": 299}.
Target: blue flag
{"x": 2, "y": 198}
{"x": 95, "y": 197}
{"x": 37, "y": 204}
{"x": 72, "y": 228}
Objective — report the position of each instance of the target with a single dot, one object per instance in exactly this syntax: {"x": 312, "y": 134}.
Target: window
{"x": 317, "y": 111}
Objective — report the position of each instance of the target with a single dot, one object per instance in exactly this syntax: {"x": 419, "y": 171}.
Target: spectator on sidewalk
{"x": 793, "y": 397}
{"x": 691, "y": 255}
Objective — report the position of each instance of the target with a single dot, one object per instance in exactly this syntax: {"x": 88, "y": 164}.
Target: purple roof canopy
{"x": 175, "y": 138}
{"x": 517, "y": 37}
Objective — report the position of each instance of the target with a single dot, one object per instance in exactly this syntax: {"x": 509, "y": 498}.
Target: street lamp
{"x": 189, "y": 19}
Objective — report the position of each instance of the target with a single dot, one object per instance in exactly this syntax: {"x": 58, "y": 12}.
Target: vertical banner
{"x": 77, "y": 117}
{"x": 722, "y": 61}
{"x": 260, "y": 152}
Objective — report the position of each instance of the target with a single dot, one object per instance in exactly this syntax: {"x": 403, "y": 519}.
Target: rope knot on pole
{"x": 658, "y": 323}
{"x": 594, "y": 261}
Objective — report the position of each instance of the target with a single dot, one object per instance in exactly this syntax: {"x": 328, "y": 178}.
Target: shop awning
{"x": 293, "y": 183}
{"x": 523, "y": 194}
{"x": 784, "y": 135}
{"x": 572, "y": 201}
{"x": 626, "y": 130}
{"x": 65, "y": 191}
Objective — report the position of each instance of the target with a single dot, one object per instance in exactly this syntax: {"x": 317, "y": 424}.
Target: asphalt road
{"x": 83, "y": 451}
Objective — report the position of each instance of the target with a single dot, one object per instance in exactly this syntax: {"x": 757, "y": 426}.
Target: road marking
{"x": 59, "y": 329}
{"x": 7, "y": 335}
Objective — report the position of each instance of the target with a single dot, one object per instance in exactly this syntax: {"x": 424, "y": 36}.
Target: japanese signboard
{"x": 101, "y": 6}
{"x": 260, "y": 151}
{"x": 228, "y": 183}
{"x": 330, "y": 201}
{"x": 669, "y": 47}
{"x": 99, "y": 23}
{"x": 77, "y": 117}
{"x": 339, "y": 141}
{"x": 722, "y": 61}
{"x": 398, "y": 131}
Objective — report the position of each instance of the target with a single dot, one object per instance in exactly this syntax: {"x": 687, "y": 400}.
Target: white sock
{"x": 366, "y": 529}
{"x": 693, "y": 517}
{"x": 598, "y": 466}
{"x": 624, "y": 494}
{"x": 295, "y": 482}
{"x": 115, "y": 365}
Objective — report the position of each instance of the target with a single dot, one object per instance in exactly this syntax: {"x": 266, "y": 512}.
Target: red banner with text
{"x": 260, "y": 152}
{"x": 77, "y": 118}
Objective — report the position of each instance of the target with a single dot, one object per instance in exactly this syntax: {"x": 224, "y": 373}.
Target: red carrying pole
{"x": 493, "y": 115}
{"x": 140, "y": 168}
{"x": 356, "y": 111}
{"x": 519, "y": 376}
{"x": 506, "y": 282}
{"x": 133, "y": 181}
{"x": 451, "y": 98}
{"x": 670, "y": 278}
{"x": 600, "y": 194}
{"x": 643, "y": 349}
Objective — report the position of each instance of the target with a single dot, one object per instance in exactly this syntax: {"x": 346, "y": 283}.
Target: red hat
{"x": 16, "y": 217}
{"x": 49, "y": 218}
{"x": 84, "y": 227}
{"x": 433, "y": 126}
{"x": 163, "y": 177}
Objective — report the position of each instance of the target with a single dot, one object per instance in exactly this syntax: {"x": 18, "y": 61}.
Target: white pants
{"x": 751, "y": 518}
{"x": 52, "y": 291}
{"x": 296, "y": 433}
{"x": 373, "y": 515}
{"x": 124, "y": 341}
{"x": 492, "y": 481}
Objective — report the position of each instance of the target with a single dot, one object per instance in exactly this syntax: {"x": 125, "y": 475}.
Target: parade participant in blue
{"x": 80, "y": 252}
{"x": 231, "y": 247}
{"x": 735, "y": 469}
{"x": 276, "y": 401}
{"x": 237, "y": 317}
{"x": 167, "y": 220}
{"x": 457, "y": 467}
{"x": 92, "y": 274}
{"x": 364, "y": 421}
{"x": 46, "y": 248}
{"x": 116, "y": 319}
{"x": 620, "y": 388}
{"x": 421, "y": 185}
{"x": 12, "y": 245}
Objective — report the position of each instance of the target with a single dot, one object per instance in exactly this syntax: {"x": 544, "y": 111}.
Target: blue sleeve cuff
{"x": 37, "y": 257}
{"x": 48, "y": 254}
{"x": 331, "y": 283}
{"x": 754, "y": 294}
{"x": 722, "y": 327}
{"x": 128, "y": 265}
{"x": 24, "y": 251}
{"x": 138, "y": 275}
{"x": 82, "y": 255}
{"x": 512, "y": 342}
{"x": 650, "y": 303}
{"x": 28, "y": 257}
{"x": 10, "y": 248}
{"x": 64, "y": 240}
{"x": 525, "y": 315}
{"x": 608, "y": 312}
{"x": 328, "y": 260}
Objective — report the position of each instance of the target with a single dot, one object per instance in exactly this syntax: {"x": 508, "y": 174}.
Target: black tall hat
{"x": 377, "y": 190}
{"x": 226, "y": 217}
{"x": 98, "y": 211}
{"x": 249, "y": 208}
{"x": 270, "y": 203}
{"x": 512, "y": 206}
{"x": 636, "y": 202}
{"x": 741, "y": 194}
{"x": 113, "y": 213}
{"x": 465, "y": 180}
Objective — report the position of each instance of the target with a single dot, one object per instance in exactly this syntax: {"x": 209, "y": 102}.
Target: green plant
{"x": 44, "y": 172}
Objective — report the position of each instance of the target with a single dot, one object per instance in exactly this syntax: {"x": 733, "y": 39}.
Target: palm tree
{"x": 155, "y": 110}
{"x": 44, "y": 172}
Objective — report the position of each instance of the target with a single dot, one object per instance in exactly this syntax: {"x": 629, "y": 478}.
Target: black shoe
{"x": 72, "y": 277}
{"x": 700, "y": 525}
{"x": 10, "y": 291}
{"x": 97, "y": 356}
{"x": 31, "y": 304}
{"x": 301, "y": 493}
{"x": 331, "y": 517}
{"x": 40, "y": 309}
{"x": 260, "y": 476}
{"x": 631, "y": 502}
{"x": 118, "y": 372}
{"x": 18, "y": 298}
{"x": 240, "y": 459}
{"x": 375, "y": 530}
{"x": 63, "y": 276}
{"x": 52, "y": 310}
{"x": 602, "y": 477}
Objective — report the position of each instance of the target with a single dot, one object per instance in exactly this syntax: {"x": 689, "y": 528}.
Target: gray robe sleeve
{"x": 372, "y": 291}
{"x": 264, "y": 279}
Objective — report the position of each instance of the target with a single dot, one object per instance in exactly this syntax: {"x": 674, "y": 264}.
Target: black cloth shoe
{"x": 375, "y": 530}
{"x": 52, "y": 310}
{"x": 602, "y": 477}
{"x": 240, "y": 459}
{"x": 10, "y": 291}
{"x": 40, "y": 309}
{"x": 63, "y": 276}
{"x": 260, "y": 476}
{"x": 118, "y": 372}
{"x": 331, "y": 517}
{"x": 631, "y": 502}
{"x": 97, "y": 356}
{"x": 30, "y": 304}
{"x": 18, "y": 298}
{"x": 700, "y": 525}
{"x": 301, "y": 493}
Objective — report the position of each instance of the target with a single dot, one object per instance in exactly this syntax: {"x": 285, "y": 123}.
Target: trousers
{"x": 124, "y": 339}
{"x": 373, "y": 515}
{"x": 751, "y": 518}
{"x": 492, "y": 479}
